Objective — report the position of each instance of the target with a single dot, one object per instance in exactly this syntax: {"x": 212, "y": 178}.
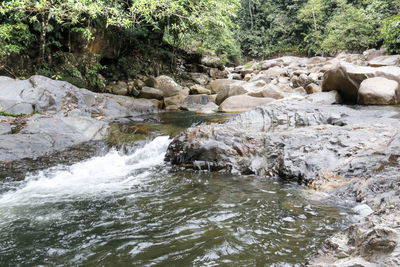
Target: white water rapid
{"x": 97, "y": 176}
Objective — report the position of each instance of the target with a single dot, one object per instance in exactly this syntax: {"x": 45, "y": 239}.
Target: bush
{"x": 391, "y": 35}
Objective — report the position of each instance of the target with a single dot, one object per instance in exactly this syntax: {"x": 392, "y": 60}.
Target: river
{"x": 127, "y": 207}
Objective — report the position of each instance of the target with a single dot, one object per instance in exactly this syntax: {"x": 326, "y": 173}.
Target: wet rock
{"x": 69, "y": 116}
{"x": 378, "y": 91}
{"x": 372, "y": 242}
{"x": 242, "y": 103}
{"x": 294, "y": 139}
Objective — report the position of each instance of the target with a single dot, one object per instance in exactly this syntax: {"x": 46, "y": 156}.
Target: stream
{"x": 126, "y": 207}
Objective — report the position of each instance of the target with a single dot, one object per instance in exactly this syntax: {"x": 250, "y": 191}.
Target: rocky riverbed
{"x": 294, "y": 127}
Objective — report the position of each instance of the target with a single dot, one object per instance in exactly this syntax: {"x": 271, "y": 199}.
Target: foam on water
{"x": 97, "y": 176}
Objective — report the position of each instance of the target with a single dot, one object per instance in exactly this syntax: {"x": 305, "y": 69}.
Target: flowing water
{"x": 131, "y": 209}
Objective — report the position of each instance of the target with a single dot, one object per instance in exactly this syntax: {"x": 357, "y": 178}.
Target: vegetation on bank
{"x": 75, "y": 40}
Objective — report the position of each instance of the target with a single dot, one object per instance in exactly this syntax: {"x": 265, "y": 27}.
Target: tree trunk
{"x": 43, "y": 36}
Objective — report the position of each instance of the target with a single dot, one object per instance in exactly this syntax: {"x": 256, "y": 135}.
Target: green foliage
{"x": 14, "y": 38}
{"x": 391, "y": 35}
{"x": 352, "y": 29}
{"x": 269, "y": 27}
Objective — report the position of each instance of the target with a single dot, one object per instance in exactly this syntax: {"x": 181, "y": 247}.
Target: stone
{"x": 266, "y": 64}
{"x": 167, "y": 85}
{"x": 149, "y": 81}
{"x": 235, "y": 76}
{"x": 196, "y": 102}
{"x": 346, "y": 78}
{"x": 312, "y": 88}
{"x": 378, "y": 91}
{"x": 275, "y": 72}
{"x": 228, "y": 92}
{"x": 212, "y": 61}
{"x": 218, "y": 85}
{"x": 373, "y": 53}
{"x": 176, "y": 100}
{"x": 200, "y": 78}
{"x": 218, "y": 74}
{"x": 208, "y": 108}
{"x": 248, "y": 77}
{"x": 382, "y": 61}
{"x": 301, "y": 81}
{"x": 198, "y": 90}
{"x": 120, "y": 88}
{"x": 269, "y": 91}
{"x": 325, "y": 98}
{"x": 242, "y": 103}
{"x": 151, "y": 93}
{"x": 69, "y": 116}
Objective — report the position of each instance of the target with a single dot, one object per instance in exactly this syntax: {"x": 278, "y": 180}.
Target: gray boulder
{"x": 379, "y": 91}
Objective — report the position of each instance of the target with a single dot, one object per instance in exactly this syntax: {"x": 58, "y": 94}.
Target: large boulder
{"x": 232, "y": 90}
{"x": 167, "y": 85}
{"x": 151, "y": 93}
{"x": 379, "y": 91}
{"x": 218, "y": 85}
{"x": 242, "y": 103}
{"x": 346, "y": 78}
{"x": 382, "y": 61}
{"x": 271, "y": 91}
{"x": 69, "y": 116}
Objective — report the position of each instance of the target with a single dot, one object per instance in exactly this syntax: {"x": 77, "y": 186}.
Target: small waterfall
{"x": 97, "y": 176}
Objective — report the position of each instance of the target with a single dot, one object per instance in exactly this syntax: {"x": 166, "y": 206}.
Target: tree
{"x": 65, "y": 13}
{"x": 391, "y": 34}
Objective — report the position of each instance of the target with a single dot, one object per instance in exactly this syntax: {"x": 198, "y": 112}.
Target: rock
{"x": 149, "y": 81}
{"x": 200, "y": 78}
{"x": 300, "y": 90}
{"x": 248, "y": 77}
{"x": 379, "y": 91}
{"x": 373, "y": 53}
{"x": 372, "y": 242}
{"x": 198, "y": 90}
{"x": 218, "y": 74}
{"x": 212, "y": 62}
{"x": 242, "y": 103}
{"x": 172, "y": 108}
{"x": 235, "y": 76}
{"x": 314, "y": 76}
{"x": 209, "y": 108}
{"x": 266, "y": 64}
{"x": 232, "y": 90}
{"x": 294, "y": 139}
{"x": 275, "y": 72}
{"x": 269, "y": 91}
{"x": 261, "y": 77}
{"x": 196, "y": 102}
{"x": 316, "y": 60}
{"x": 302, "y": 81}
{"x": 299, "y": 72}
{"x": 167, "y": 85}
{"x": 382, "y": 61}
{"x": 176, "y": 100}
{"x": 325, "y": 98}
{"x": 119, "y": 88}
{"x": 312, "y": 88}
{"x": 346, "y": 78}
{"x": 218, "y": 85}
{"x": 151, "y": 93}
{"x": 71, "y": 116}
